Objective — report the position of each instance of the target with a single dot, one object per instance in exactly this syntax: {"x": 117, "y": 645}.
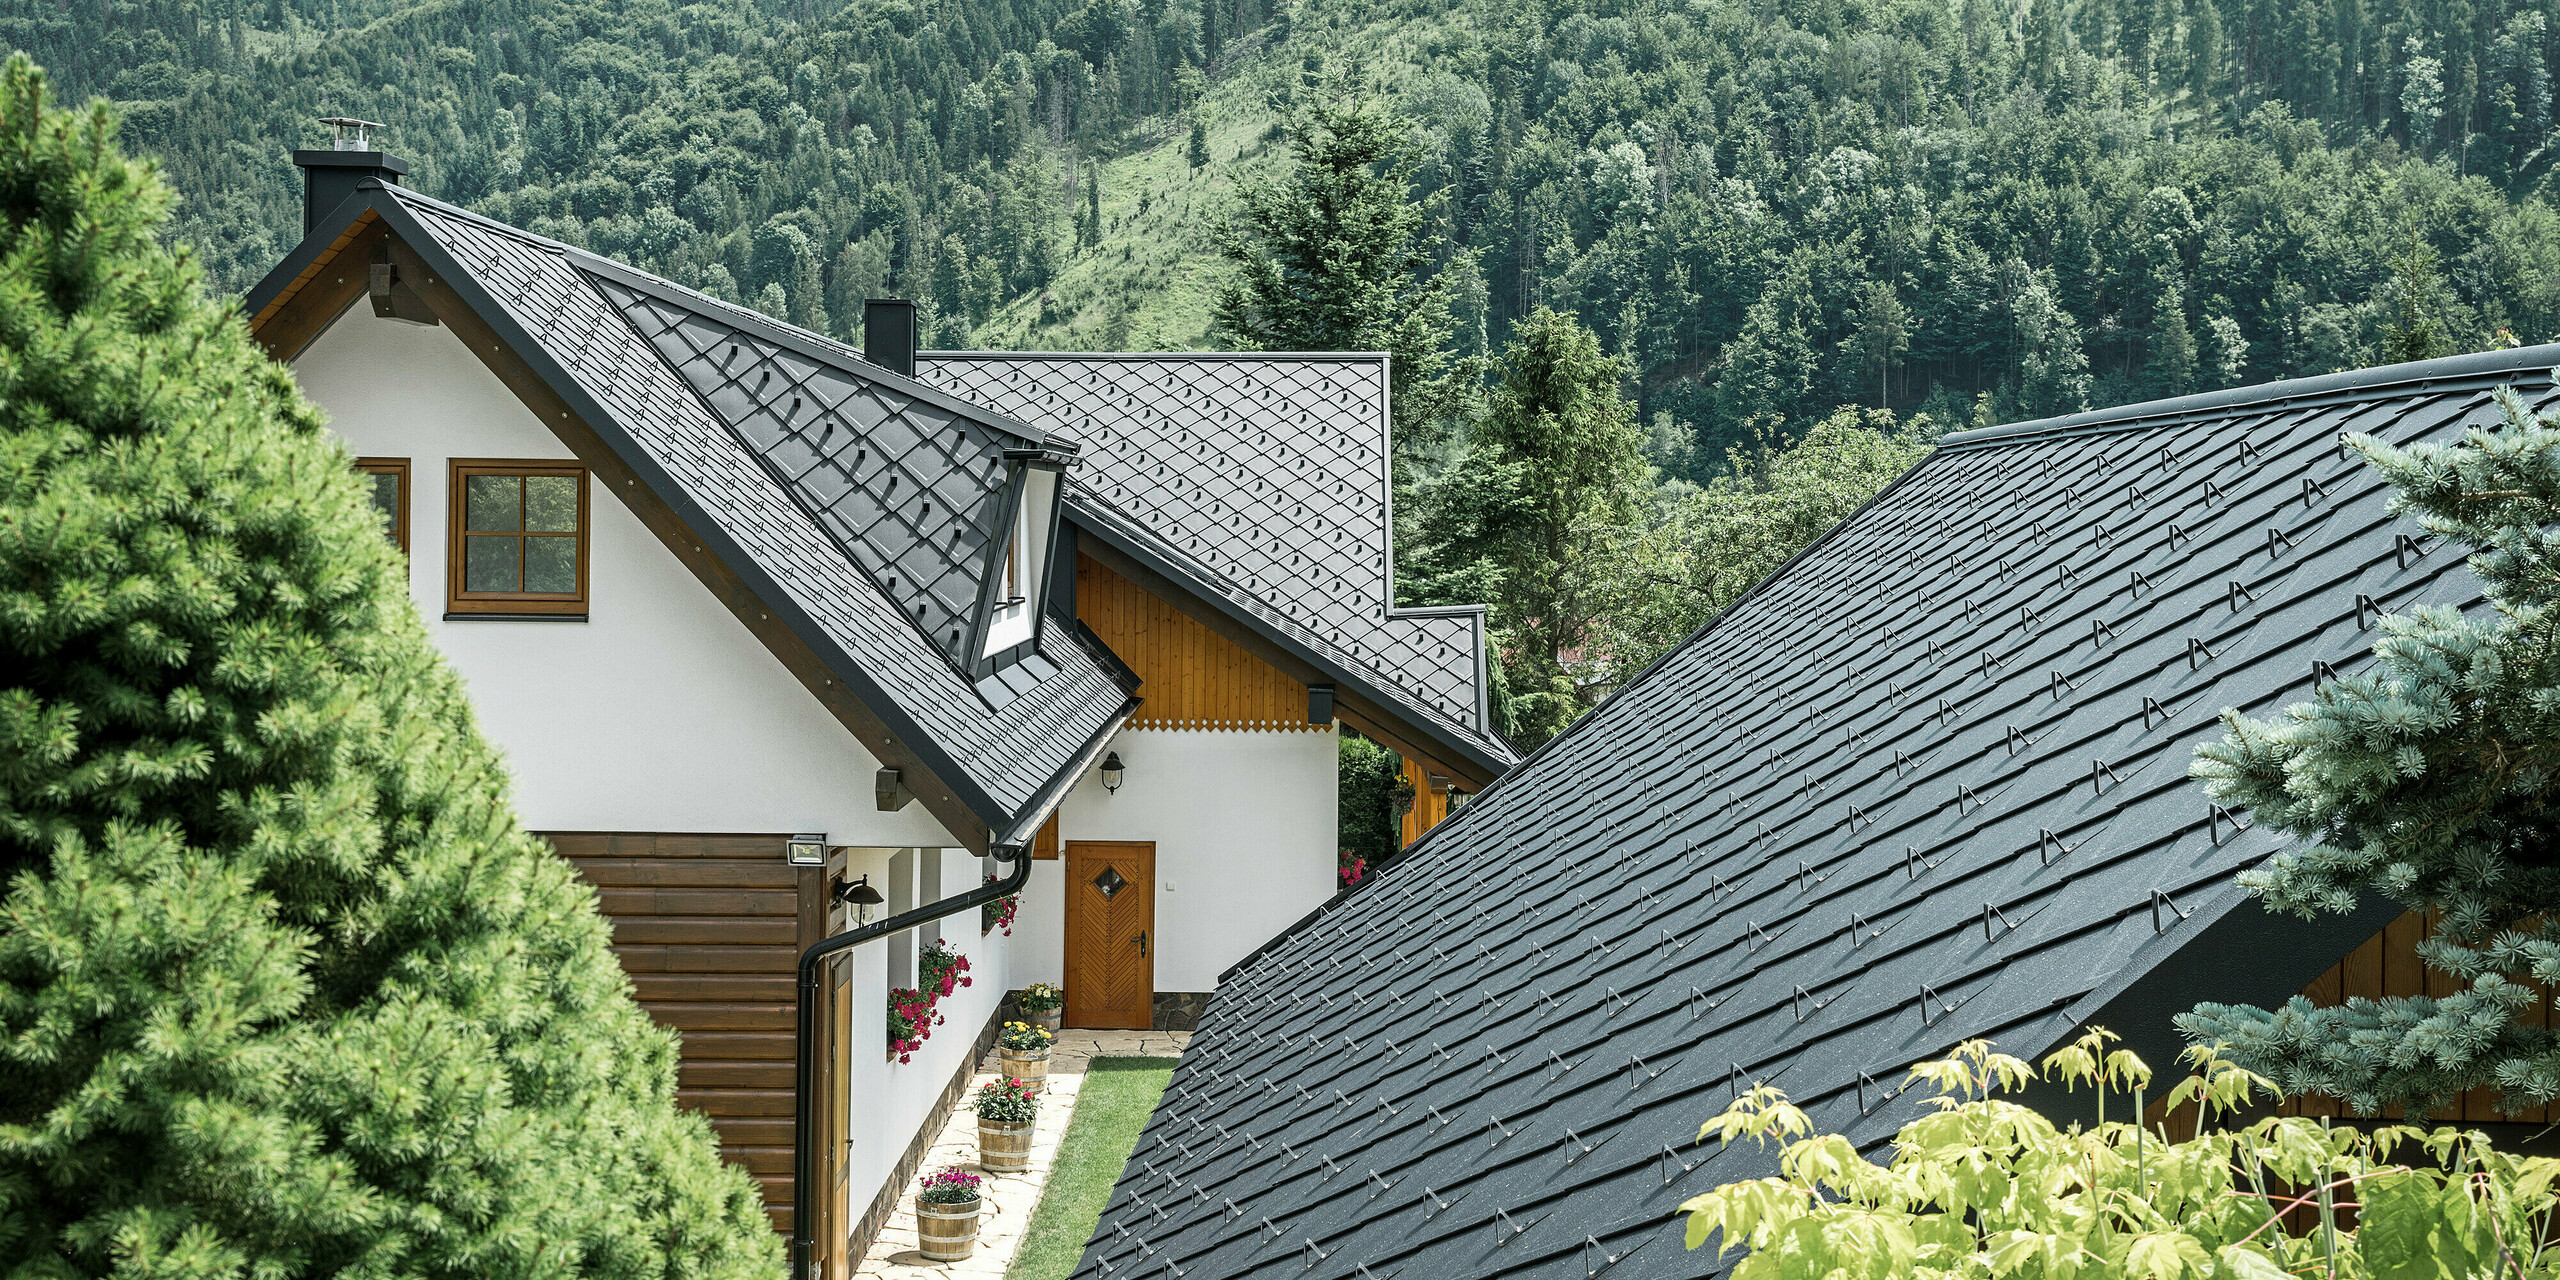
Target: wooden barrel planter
{"x": 1030, "y": 1066}
{"x": 1004, "y": 1148}
{"x": 947, "y": 1232}
{"x": 1049, "y": 1021}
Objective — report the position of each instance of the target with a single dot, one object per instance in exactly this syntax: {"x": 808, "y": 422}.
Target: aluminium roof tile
{"x": 1266, "y": 475}
{"x": 1927, "y": 783}
{"x": 615, "y": 343}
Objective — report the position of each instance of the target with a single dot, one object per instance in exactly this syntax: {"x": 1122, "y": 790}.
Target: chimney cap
{"x": 350, "y": 134}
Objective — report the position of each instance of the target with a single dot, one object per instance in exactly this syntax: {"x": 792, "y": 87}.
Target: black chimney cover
{"x": 329, "y": 177}
{"x": 889, "y": 335}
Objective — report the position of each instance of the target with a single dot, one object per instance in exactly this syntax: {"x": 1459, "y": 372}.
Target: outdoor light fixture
{"x": 1111, "y": 772}
{"x": 809, "y": 849}
{"x": 858, "y": 894}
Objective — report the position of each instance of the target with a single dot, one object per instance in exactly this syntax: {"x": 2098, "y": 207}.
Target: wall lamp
{"x": 858, "y": 894}
{"x": 1112, "y": 773}
{"x": 808, "y": 849}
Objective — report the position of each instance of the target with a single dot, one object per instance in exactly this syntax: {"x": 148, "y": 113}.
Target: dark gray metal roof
{"x": 1926, "y": 783}
{"x": 856, "y": 495}
{"x": 1263, "y": 478}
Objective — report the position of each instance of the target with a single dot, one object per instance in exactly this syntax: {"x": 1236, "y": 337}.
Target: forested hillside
{"x": 1771, "y": 206}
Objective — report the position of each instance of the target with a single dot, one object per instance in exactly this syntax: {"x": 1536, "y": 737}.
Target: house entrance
{"x": 1111, "y": 920}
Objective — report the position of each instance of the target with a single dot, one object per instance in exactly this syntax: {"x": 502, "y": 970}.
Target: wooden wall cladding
{"x": 2387, "y": 965}
{"x": 1194, "y": 678}
{"x": 709, "y": 928}
{"x": 1430, "y": 808}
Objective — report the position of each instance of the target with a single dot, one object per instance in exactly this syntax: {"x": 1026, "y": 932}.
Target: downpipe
{"x": 804, "y": 1088}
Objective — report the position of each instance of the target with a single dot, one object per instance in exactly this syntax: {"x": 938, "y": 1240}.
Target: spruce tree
{"x": 284, "y": 989}
{"x": 2430, "y": 780}
{"x": 1340, "y": 258}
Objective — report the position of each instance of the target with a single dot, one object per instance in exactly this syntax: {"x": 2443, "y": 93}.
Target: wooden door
{"x": 710, "y": 929}
{"x": 1111, "y": 944}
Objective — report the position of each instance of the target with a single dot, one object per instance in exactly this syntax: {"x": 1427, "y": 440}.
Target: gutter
{"x": 1013, "y": 846}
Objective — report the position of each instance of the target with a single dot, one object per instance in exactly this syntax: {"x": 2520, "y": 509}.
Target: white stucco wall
{"x": 663, "y": 713}
{"x": 659, "y": 713}
{"x": 1245, "y": 828}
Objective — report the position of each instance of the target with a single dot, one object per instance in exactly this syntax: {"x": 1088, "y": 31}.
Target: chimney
{"x": 329, "y": 177}
{"x": 889, "y": 335}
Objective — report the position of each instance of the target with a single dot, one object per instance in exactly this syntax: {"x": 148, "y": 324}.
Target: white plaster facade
{"x": 662, "y": 713}
{"x": 1245, "y": 827}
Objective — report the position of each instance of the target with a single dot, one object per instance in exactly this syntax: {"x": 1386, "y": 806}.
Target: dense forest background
{"x": 1710, "y": 271}
{"x": 1769, "y": 207}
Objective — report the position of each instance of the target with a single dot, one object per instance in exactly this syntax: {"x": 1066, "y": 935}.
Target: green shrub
{"x": 1984, "y": 1187}
{"x": 284, "y": 989}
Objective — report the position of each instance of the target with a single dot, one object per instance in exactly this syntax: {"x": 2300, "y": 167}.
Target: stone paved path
{"x": 1007, "y": 1198}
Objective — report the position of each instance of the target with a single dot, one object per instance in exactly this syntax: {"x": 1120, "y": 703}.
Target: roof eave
{"x": 1359, "y": 680}
{"x": 985, "y": 816}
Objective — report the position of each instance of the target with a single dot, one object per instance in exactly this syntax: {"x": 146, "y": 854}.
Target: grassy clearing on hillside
{"x": 1112, "y": 1107}
{"x": 1156, "y": 272}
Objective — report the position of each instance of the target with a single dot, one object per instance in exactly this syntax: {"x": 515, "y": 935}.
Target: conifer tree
{"x": 284, "y": 989}
{"x": 1340, "y": 258}
{"x": 2429, "y": 780}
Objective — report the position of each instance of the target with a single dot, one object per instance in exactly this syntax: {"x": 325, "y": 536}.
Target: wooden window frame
{"x": 400, "y": 513}
{"x": 517, "y": 604}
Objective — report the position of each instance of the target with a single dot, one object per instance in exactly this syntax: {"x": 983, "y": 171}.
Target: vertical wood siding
{"x": 1194, "y": 677}
{"x": 2387, "y": 965}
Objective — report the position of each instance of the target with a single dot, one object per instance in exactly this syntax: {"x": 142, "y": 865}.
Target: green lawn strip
{"x": 1111, "y": 1108}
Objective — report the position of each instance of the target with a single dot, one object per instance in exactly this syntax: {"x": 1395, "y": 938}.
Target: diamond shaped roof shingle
{"x": 1926, "y": 783}
{"x": 863, "y": 502}
{"x": 1263, "y": 477}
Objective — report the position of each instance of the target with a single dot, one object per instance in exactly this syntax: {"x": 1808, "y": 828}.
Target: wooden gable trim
{"x": 315, "y": 298}
{"x": 613, "y": 473}
{"x": 1349, "y": 706}
{"x": 1194, "y": 678}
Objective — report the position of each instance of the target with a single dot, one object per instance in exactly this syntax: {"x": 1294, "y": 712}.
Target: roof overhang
{"x": 1358, "y": 699}
{"x": 315, "y": 284}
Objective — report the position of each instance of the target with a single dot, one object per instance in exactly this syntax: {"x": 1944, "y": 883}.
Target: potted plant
{"x": 942, "y": 968}
{"x": 1402, "y": 794}
{"x": 911, "y": 1019}
{"x": 947, "y": 1215}
{"x": 1041, "y": 1003}
{"x": 999, "y": 913}
{"x": 1006, "y": 1111}
{"x": 1024, "y": 1049}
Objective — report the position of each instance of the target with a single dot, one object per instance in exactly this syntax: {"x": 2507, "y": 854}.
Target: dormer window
{"x": 1022, "y": 569}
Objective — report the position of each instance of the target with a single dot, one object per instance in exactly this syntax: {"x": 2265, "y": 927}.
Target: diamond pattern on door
{"x": 1110, "y": 952}
{"x": 1110, "y": 883}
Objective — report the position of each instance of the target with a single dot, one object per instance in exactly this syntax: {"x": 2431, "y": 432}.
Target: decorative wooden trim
{"x": 1044, "y": 846}
{"x": 457, "y": 598}
{"x": 400, "y": 503}
{"x": 1193, "y": 677}
{"x": 333, "y": 282}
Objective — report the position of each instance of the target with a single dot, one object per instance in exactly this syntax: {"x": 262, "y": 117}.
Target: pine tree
{"x": 1556, "y": 459}
{"x": 2429, "y": 780}
{"x": 284, "y": 989}
{"x": 1340, "y": 258}
{"x": 1197, "y": 150}
{"x": 2414, "y": 331}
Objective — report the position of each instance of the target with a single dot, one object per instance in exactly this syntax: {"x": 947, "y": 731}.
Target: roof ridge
{"x": 2472, "y": 367}
{"x": 779, "y": 331}
{"x": 1160, "y": 357}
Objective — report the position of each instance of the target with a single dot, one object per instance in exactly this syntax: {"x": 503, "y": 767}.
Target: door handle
{"x": 1142, "y": 944}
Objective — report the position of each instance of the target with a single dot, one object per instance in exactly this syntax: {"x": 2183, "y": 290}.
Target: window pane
{"x": 493, "y": 503}
{"x": 489, "y": 564}
{"x": 551, "y": 564}
{"x": 551, "y": 504}
{"x": 386, "y": 499}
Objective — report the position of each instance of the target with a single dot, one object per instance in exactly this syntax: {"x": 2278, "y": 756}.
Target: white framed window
{"x": 1022, "y": 577}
